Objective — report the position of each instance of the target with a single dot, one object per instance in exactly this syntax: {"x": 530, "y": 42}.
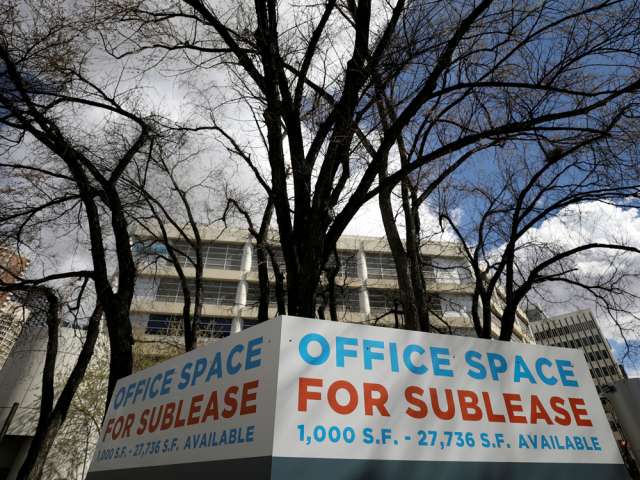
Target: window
{"x": 213, "y": 292}
{"x": 210, "y": 327}
{"x": 384, "y": 300}
{"x": 277, "y": 254}
{"x": 253, "y": 295}
{"x": 348, "y": 298}
{"x": 348, "y": 264}
{"x": 223, "y": 256}
{"x": 428, "y": 271}
{"x": 168, "y": 290}
{"x": 380, "y": 265}
{"x": 219, "y": 293}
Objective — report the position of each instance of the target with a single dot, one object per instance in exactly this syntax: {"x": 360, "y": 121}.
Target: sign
{"x": 301, "y": 398}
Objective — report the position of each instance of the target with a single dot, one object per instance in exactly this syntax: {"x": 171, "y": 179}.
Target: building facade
{"x": 12, "y": 313}
{"x": 580, "y": 330}
{"x": 367, "y": 287}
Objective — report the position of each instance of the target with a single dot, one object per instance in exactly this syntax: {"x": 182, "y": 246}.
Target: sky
{"x": 177, "y": 98}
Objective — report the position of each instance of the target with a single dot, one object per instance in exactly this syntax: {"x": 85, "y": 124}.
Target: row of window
{"x": 597, "y": 355}
{"x": 566, "y": 329}
{"x": 210, "y": 327}
{"x": 384, "y": 300}
{"x": 213, "y": 292}
{"x": 219, "y": 292}
{"x": 228, "y": 256}
{"x": 577, "y": 343}
{"x": 599, "y": 372}
{"x": 223, "y": 256}
{"x": 380, "y": 266}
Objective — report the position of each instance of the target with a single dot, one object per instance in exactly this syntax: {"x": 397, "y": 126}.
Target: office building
{"x": 367, "y": 288}
{"x": 580, "y": 330}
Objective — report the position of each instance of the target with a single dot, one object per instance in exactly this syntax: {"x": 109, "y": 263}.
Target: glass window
{"x": 428, "y": 271}
{"x": 162, "y": 325}
{"x": 168, "y": 290}
{"x": 253, "y": 295}
{"x": 381, "y": 300}
{"x": 219, "y": 293}
{"x": 380, "y": 265}
{"x": 277, "y": 254}
{"x": 223, "y": 256}
{"x": 213, "y": 292}
{"x": 209, "y": 327}
{"x": 348, "y": 299}
{"x": 348, "y": 264}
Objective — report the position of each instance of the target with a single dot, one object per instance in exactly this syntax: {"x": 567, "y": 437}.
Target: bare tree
{"x": 158, "y": 181}
{"x": 525, "y": 188}
{"x": 464, "y": 74}
{"x": 265, "y": 254}
{"x": 63, "y": 173}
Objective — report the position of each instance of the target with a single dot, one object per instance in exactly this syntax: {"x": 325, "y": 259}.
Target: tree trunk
{"x": 303, "y": 282}
{"x": 121, "y": 345}
{"x": 407, "y": 295}
{"x": 507, "y": 322}
{"x": 198, "y": 296}
{"x": 263, "y": 265}
{"x": 414, "y": 258}
{"x": 331, "y": 288}
{"x": 263, "y": 279}
{"x": 486, "y": 316}
{"x": 475, "y": 314}
{"x": 34, "y": 461}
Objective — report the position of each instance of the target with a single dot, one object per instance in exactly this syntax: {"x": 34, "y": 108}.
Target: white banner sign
{"x": 296, "y": 390}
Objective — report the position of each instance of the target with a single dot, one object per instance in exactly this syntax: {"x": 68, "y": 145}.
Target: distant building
{"x": 20, "y": 393}
{"x": 367, "y": 287}
{"x": 12, "y": 314}
{"x": 579, "y": 329}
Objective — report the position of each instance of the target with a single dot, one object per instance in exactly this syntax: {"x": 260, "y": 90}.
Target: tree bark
{"x": 406, "y": 290}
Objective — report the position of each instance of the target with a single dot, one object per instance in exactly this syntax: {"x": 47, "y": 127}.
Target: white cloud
{"x": 597, "y": 222}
